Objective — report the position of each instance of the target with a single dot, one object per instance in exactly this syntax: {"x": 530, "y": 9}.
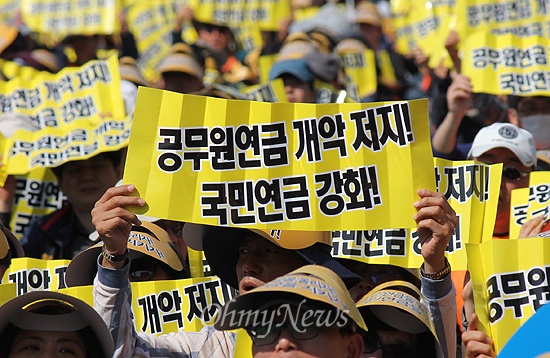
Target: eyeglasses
{"x": 372, "y": 344}
{"x": 268, "y": 334}
{"x": 143, "y": 269}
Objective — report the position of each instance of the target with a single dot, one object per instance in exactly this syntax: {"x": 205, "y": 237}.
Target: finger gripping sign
{"x": 279, "y": 165}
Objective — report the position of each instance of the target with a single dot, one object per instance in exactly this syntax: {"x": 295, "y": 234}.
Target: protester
{"x": 435, "y": 279}
{"x": 151, "y": 253}
{"x": 65, "y": 232}
{"x": 532, "y": 113}
{"x": 252, "y": 260}
{"x": 51, "y": 324}
{"x": 300, "y": 64}
{"x": 180, "y": 70}
{"x": 399, "y": 323}
{"x": 307, "y": 312}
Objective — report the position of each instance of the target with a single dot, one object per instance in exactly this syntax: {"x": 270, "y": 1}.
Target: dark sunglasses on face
{"x": 512, "y": 173}
{"x": 211, "y": 28}
{"x": 372, "y": 344}
{"x": 143, "y": 269}
{"x": 268, "y": 334}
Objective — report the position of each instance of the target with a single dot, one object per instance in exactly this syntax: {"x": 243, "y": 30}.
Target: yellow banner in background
{"x": 7, "y": 292}
{"x": 507, "y": 64}
{"x": 279, "y": 165}
{"x": 519, "y": 17}
{"x": 152, "y": 23}
{"x": 528, "y": 203}
{"x": 266, "y": 14}
{"x": 425, "y": 25}
{"x": 360, "y": 71}
{"x": 161, "y": 307}
{"x": 510, "y": 280}
{"x": 36, "y": 275}
{"x": 36, "y": 194}
{"x": 467, "y": 186}
{"x": 12, "y": 69}
{"x": 264, "y": 63}
{"x": 273, "y": 91}
{"x": 51, "y": 147}
{"x": 71, "y": 17}
{"x": 8, "y": 9}
{"x": 89, "y": 92}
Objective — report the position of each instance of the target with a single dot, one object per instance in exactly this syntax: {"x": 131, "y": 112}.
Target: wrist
{"x": 437, "y": 271}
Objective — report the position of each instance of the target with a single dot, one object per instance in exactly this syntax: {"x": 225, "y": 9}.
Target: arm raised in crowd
{"x": 436, "y": 221}
{"x": 113, "y": 295}
{"x": 459, "y": 100}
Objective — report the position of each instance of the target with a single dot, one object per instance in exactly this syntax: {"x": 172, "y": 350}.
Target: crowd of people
{"x": 374, "y": 310}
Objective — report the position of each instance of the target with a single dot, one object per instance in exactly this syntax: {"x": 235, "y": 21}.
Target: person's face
{"x": 261, "y": 261}
{"x": 85, "y": 181}
{"x": 530, "y": 106}
{"x": 328, "y": 343}
{"x": 217, "y": 37}
{"x": 35, "y": 344}
{"x": 181, "y": 82}
{"x": 381, "y": 344}
{"x": 372, "y": 34}
{"x": 372, "y": 275}
{"x": 174, "y": 228}
{"x": 298, "y": 91}
{"x": 505, "y": 156}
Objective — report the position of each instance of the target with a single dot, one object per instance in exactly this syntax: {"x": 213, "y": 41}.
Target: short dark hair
{"x": 115, "y": 157}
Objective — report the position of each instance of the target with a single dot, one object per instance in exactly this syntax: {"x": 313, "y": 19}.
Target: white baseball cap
{"x": 509, "y": 136}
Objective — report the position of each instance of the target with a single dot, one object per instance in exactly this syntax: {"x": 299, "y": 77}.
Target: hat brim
{"x": 297, "y": 68}
{"x": 96, "y": 323}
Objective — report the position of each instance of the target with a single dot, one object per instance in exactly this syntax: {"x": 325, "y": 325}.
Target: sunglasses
{"x": 512, "y": 173}
{"x": 268, "y": 334}
{"x": 372, "y": 344}
{"x": 143, "y": 269}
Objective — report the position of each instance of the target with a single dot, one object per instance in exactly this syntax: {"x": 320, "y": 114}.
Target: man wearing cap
{"x": 307, "y": 312}
{"x": 247, "y": 259}
{"x": 180, "y": 70}
{"x": 65, "y": 232}
{"x": 52, "y": 324}
{"x": 244, "y": 258}
{"x": 513, "y": 147}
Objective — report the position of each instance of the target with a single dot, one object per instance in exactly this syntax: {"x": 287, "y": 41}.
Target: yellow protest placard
{"x": 272, "y": 91}
{"x": 8, "y": 9}
{"x": 531, "y": 202}
{"x": 152, "y": 23}
{"x": 51, "y": 147}
{"x": 68, "y": 17}
{"x": 90, "y": 92}
{"x": 360, "y": 71}
{"x": 12, "y": 69}
{"x": 289, "y": 166}
{"x": 36, "y": 275}
{"x": 510, "y": 281}
{"x": 472, "y": 191}
{"x": 266, "y": 14}
{"x": 36, "y": 194}
{"x": 7, "y": 292}
{"x": 519, "y": 17}
{"x": 264, "y": 63}
{"x": 507, "y": 64}
{"x": 165, "y": 306}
